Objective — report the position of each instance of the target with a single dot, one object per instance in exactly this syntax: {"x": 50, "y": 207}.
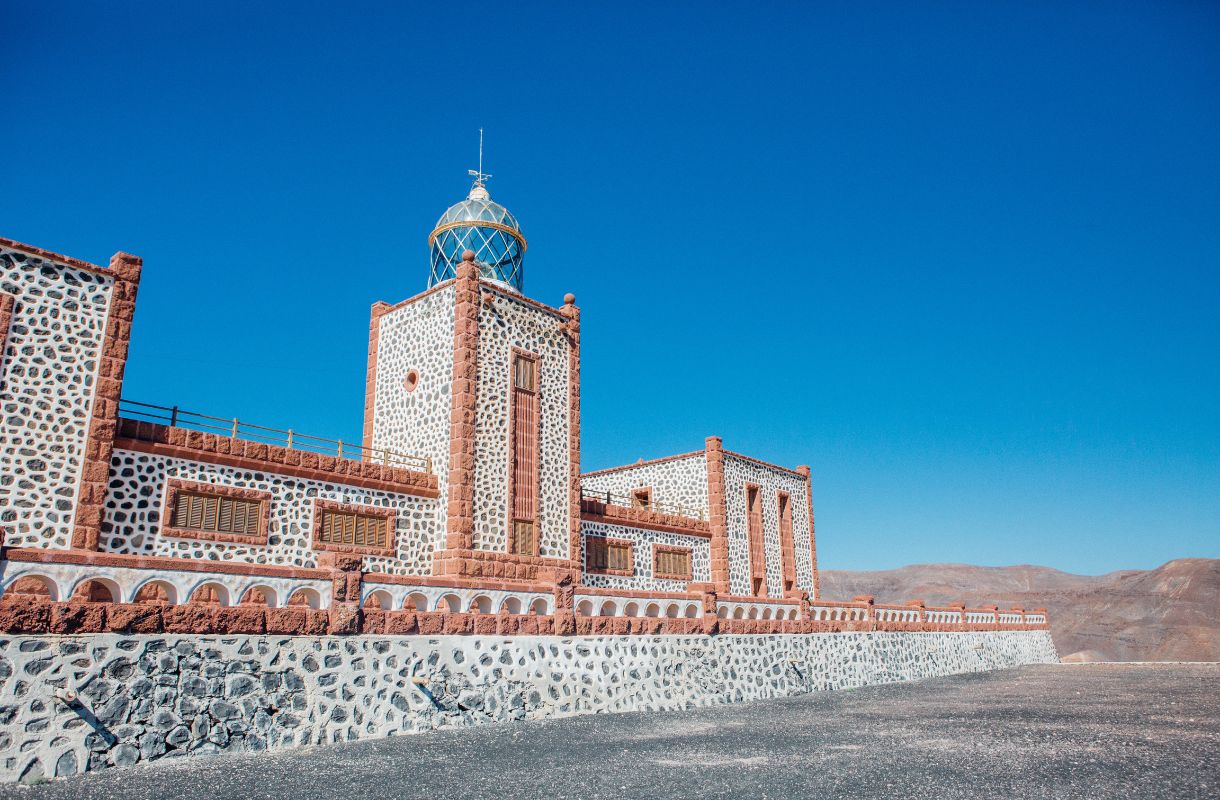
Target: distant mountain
{"x": 1171, "y": 613}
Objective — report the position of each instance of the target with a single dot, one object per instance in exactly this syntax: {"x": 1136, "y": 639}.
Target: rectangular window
{"x": 787, "y": 549}
{"x": 215, "y": 512}
{"x": 202, "y": 512}
{"x": 608, "y": 556}
{"x": 754, "y": 533}
{"x": 642, "y": 498}
{"x": 359, "y": 530}
{"x": 353, "y": 529}
{"x": 525, "y": 421}
{"x": 671, "y": 562}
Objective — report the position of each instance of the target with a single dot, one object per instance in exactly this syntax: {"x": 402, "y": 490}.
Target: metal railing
{"x": 631, "y": 501}
{"x": 234, "y": 428}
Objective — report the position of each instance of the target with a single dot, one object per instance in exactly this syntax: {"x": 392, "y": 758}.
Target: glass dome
{"x": 486, "y": 227}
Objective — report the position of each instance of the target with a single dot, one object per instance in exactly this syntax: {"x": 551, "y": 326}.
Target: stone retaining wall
{"x": 144, "y": 698}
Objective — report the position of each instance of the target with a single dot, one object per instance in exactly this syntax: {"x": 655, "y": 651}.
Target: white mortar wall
{"x": 677, "y": 481}
{"x": 737, "y": 473}
{"x": 504, "y": 324}
{"x": 153, "y": 695}
{"x": 47, "y": 382}
{"x": 131, "y": 521}
{"x": 417, "y": 336}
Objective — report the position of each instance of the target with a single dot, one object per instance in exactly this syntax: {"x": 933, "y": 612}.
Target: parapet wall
{"x": 144, "y": 698}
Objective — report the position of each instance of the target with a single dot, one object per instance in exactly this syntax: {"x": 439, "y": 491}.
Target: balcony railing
{"x": 175, "y": 417}
{"x": 631, "y": 501}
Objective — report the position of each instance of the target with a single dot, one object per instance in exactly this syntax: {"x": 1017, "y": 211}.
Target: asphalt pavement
{"x": 1081, "y": 731}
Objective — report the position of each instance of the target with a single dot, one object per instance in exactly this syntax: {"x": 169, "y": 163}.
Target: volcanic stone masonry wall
{"x": 144, "y": 698}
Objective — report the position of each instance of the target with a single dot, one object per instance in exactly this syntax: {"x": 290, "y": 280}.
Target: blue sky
{"x": 960, "y": 258}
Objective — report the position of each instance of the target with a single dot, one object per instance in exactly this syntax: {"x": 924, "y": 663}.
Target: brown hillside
{"x": 1171, "y": 613}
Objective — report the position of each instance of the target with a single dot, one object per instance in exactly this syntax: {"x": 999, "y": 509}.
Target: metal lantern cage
{"x": 486, "y": 227}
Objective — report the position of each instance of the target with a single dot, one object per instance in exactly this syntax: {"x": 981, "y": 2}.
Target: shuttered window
{"x": 524, "y": 474}
{"x": 606, "y": 555}
{"x": 524, "y": 543}
{"x": 673, "y": 563}
{"x": 754, "y": 533}
{"x": 358, "y": 530}
{"x": 787, "y": 548}
{"x": 642, "y": 498}
{"x": 197, "y": 511}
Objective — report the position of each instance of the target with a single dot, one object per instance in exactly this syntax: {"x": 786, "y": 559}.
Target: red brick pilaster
{"x": 813, "y": 546}
{"x": 572, "y": 312}
{"x": 7, "y": 303}
{"x": 714, "y": 452}
{"x": 459, "y": 525}
{"x": 99, "y": 444}
{"x": 370, "y": 382}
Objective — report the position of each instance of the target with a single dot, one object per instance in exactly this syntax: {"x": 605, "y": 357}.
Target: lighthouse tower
{"x": 485, "y": 382}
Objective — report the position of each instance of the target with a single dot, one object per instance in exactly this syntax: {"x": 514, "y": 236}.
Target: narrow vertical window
{"x": 783, "y": 504}
{"x": 524, "y": 474}
{"x": 754, "y": 533}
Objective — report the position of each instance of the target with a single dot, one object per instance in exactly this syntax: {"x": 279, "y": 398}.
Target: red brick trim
{"x": 94, "y": 558}
{"x": 162, "y": 440}
{"x": 592, "y": 510}
{"x": 416, "y": 298}
{"x": 572, "y": 312}
{"x": 717, "y": 513}
{"x": 459, "y": 527}
{"x": 761, "y": 463}
{"x": 607, "y": 571}
{"x": 99, "y": 444}
{"x": 494, "y": 564}
{"x": 512, "y": 518}
{"x": 175, "y": 486}
{"x": 657, "y": 549}
{"x": 527, "y": 301}
{"x": 370, "y": 380}
{"x": 772, "y": 601}
{"x": 643, "y": 463}
{"x": 47, "y": 254}
{"x": 390, "y": 551}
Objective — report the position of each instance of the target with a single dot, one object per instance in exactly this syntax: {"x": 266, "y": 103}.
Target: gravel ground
{"x": 1087, "y": 731}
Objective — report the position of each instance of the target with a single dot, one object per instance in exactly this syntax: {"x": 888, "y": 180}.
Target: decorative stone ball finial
{"x": 569, "y": 299}
{"x": 468, "y": 255}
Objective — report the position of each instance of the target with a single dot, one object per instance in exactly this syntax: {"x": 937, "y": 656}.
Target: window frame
{"x": 607, "y": 570}
{"x": 176, "y": 487}
{"x": 513, "y": 519}
{"x": 641, "y": 498}
{"x": 321, "y": 506}
{"x": 689, "y": 552}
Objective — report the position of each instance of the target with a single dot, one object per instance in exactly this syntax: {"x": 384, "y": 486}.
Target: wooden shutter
{"x": 524, "y": 473}
{"x": 754, "y": 533}
{"x": 199, "y": 511}
{"x": 596, "y": 550}
{"x": 359, "y": 530}
{"x": 786, "y": 548}
{"x": 618, "y": 556}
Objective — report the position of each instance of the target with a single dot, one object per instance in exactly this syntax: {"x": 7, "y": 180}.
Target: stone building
{"x": 463, "y": 509}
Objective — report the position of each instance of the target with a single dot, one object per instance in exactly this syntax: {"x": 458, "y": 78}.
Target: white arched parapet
{"x": 481, "y": 604}
{"x": 450, "y": 602}
{"x": 609, "y": 609}
{"x": 48, "y": 583}
{"x": 419, "y": 599}
{"x": 305, "y": 597}
{"x": 540, "y": 606}
{"x": 377, "y": 598}
{"x": 672, "y": 611}
{"x": 692, "y": 611}
{"x": 171, "y": 591}
{"x": 653, "y": 610}
{"x": 722, "y": 612}
{"x": 268, "y": 593}
{"x": 584, "y": 608}
{"x": 632, "y": 609}
{"x": 112, "y": 586}
{"x": 512, "y": 605}
{"x": 739, "y": 613}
